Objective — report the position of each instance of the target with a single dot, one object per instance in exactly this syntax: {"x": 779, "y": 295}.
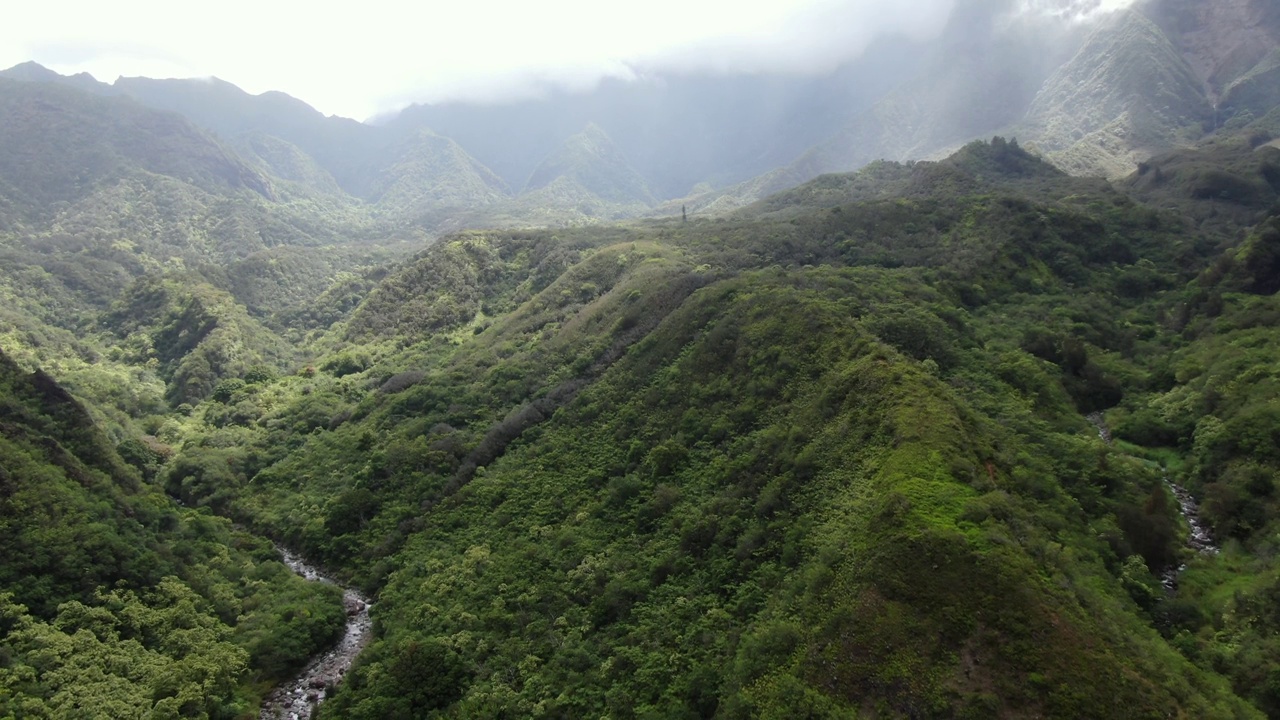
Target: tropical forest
{"x": 953, "y": 394}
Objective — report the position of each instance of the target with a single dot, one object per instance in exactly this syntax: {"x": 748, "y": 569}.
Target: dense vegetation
{"x": 165, "y": 269}
{"x": 827, "y": 456}
{"x": 115, "y": 602}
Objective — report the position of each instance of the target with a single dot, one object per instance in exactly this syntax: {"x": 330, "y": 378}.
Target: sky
{"x": 362, "y": 59}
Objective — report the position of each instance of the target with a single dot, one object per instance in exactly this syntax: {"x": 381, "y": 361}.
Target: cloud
{"x": 811, "y": 37}
{"x": 577, "y": 45}
{"x": 356, "y": 59}
{"x": 359, "y": 59}
{"x": 1073, "y": 10}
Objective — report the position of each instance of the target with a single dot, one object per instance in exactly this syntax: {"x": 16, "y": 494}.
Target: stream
{"x": 297, "y": 699}
{"x": 1198, "y": 539}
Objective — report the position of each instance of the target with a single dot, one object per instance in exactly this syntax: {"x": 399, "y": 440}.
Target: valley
{"x": 876, "y": 412}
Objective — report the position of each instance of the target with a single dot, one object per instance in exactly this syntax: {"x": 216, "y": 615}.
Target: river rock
{"x": 327, "y": 668}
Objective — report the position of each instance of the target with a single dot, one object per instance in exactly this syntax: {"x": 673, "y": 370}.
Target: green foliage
{"x": 1224, "y": 182}
{"x": 225, "y": 389}
{"x": 346, "y": 363}
{"x": 822, "y": 458}
{"x": 148, "y": 455}
{"x": 161, "y": 655}
{"x": 199, "y": 338}
{"x": 641, "y": 471}
{"x": 415, "y": 677}
{"x": 115, "y": 602}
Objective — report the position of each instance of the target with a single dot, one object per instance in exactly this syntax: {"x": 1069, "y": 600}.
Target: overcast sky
{"x": 378, "y": 55}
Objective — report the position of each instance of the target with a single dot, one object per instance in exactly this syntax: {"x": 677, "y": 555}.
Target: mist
{"x": 1076, "y": 11}
{"x": 386, "y": 56}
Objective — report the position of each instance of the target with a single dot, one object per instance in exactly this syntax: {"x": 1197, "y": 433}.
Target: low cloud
{"x": 812, "y": 37}
{"x": 1073, "y": 10}
{"x": 640, "y": 40}
{"x": 383, "y": 54}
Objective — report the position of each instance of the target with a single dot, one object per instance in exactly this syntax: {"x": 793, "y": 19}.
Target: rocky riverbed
{"x": 297, "y": 699}
{"x": 1198, "y": 538}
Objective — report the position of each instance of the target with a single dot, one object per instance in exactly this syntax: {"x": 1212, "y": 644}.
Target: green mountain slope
{"x": 592, "y": 162}
{"x": 102, "y": 192}
{"x": 1127, "y": 94}
{"x": 826, "y": 455}
{"x": 320, "y": 163}
{"x": 1159, "y": 76}
{"x": 1226, "y": 183}
{"x": 817, "y": 509}
{"x": 431, "y": 178}
{"x": 194, "y": 334}
{"x": 1255, "y": 93}
{"x": 835, "y": 453}
{"x": 288, "y": 162}
{"x": 35, "y": 72}
{"x": 61, "y": 143}
{"x": 1223, "y": 42}
{"x": 979, "y": 81}
{"x": 339, "y": 145}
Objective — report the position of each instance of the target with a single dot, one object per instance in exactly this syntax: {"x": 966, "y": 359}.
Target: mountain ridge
{"x": 50, "y": 115}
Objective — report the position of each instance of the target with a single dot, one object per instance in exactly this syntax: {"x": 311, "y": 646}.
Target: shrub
{"x": 223, "y": 391}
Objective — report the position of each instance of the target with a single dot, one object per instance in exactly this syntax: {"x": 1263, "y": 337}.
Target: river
{"x": 297, "y": 699}
{"x": 1198, "y": 538}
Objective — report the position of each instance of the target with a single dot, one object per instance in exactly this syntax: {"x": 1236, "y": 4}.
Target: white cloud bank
{"x": 1074, "y": 10}
{"x": 358, "y": 59}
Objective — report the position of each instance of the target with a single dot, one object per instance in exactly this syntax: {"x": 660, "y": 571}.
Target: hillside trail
{"x": 298, "y": 698}
{"x": 1198, "y": 538}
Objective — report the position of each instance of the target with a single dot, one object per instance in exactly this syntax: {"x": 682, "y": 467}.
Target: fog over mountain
{"x": 386, "y": 56}
{"x": 714, "y": 112}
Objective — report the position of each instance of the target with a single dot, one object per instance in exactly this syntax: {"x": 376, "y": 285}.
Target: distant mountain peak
{"x": 591, "y": 160}
{"x": 30, "y": 71}
{"x": 433, "y": 173}
{"x": 1127, "y": 93}
{"x": 595, "y": 133}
